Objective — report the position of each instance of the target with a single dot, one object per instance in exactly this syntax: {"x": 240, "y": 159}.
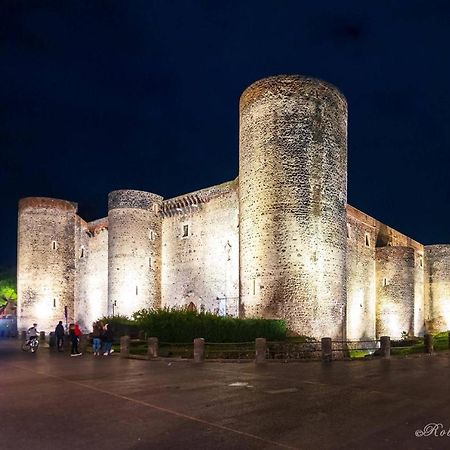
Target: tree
{"x": 8, "y": 289}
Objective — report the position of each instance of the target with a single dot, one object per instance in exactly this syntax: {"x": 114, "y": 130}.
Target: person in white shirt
{"x": 32, "y": 332}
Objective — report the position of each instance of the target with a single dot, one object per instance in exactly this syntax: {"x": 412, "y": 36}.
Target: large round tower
{"x": 134, "y": 251}
{"x": 293, "y": 192}
{"x": 45, "y": 262}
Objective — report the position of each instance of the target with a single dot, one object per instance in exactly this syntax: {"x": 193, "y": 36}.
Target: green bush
{"x": 440, "y": 341}
{"x": 8, "y": 288}
{"x": 181, "y": 325}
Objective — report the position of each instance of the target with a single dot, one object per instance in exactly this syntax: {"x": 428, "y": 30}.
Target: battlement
{"x": 47, "y": 203}
{"x": 128, "y": 198}
{"x": 188, "y": 203}
{"x": 280, "y": 85}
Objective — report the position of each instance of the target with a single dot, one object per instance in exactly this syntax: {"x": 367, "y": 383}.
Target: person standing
{"x": 74, "y": 333}
{"x": 96, "y": 338}
{"x": 59, "y": 334}
{"x": 108, "y": 339}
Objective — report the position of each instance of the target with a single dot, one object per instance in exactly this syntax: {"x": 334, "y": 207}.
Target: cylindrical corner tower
{"x": 437, "y": 287}
{"x": 395, "y": 274}
{"x": 45, "y": 262}
{"x": 134, "y": 251}
{"x": 293, "y": 192}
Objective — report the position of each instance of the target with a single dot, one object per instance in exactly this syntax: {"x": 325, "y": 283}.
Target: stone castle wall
{"x": 134, "y": 251}
{"x": 200, "y": 250}
{"x": 361, "y": 276}
{"x": 45, "y": 262}
{"x": 91, "y": 262}
{"x": 437, "y": 286}
{"x": 293, "y": 191}
{"x": 395, "y": 267}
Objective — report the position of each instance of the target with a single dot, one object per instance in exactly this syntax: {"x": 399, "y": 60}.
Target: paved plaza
{"x": 51, "y": 401}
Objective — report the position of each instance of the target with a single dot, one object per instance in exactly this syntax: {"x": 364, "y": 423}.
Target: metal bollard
{"x": 385, "y": 346}
{"x": 260, "y": 350}
{"x": 327, "y": 353}
{"x": 428, "y": 341}
{"x": 152, "y": 349}
{"x": 199, "y": 350}
{"x": 125, "y": 346}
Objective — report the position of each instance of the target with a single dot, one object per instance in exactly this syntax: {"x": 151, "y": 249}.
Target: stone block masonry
{"x": 45, "y": 261}
{"x": 292, "y": 197}
{"x": 279, "y": 241}
{"x": 134, "y": 251}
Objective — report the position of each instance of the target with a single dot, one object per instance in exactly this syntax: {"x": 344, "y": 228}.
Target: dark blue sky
{"x": 104, "y": 95}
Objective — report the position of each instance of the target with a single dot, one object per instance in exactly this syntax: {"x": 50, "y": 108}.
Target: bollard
{"x": 42, "y": 336}
{"x": 152, "y": 349}
{"x": 327, "y": 354}
{"x": 385, "y": 346}
{"x": 260, "y": 350}
{"x": 125, "y": 346}
{"x": 199, "y": 350}
{"x": 52, "y": 340}
{"x": 428, "y": 341}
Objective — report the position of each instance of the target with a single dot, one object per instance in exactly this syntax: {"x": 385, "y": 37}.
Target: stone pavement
{"x": 52, "y": 401}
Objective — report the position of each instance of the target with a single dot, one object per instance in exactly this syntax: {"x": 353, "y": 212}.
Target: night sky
{"x": 104, "y": 95}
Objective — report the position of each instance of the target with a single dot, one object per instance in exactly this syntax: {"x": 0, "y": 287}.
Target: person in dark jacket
{"x": 108, "y": 339}
{"x": 59, "y": 334}
{"x": 96, "y": 338}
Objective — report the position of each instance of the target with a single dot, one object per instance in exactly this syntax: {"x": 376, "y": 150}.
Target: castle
{"x": 280, "y": 241}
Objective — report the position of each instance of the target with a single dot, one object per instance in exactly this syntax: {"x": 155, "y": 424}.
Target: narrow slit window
{"x": 150, "y": 262}
{"x": 254, "y": 286}
{"x": 137, "y": 291}
{"x": 53, "y": 245}
{"x": 385, "y": 283}
{"x": 185, "y": 230}
{"x": 152, "y": 235}
{"x": 82, "y": 252}
{"x": 348, "y": 231}
{"x": 420, "y": 261}
{"x": 54, "y": 303}
{"x": 367, "y": 239}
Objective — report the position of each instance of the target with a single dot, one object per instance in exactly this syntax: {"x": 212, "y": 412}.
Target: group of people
{"x": 102, "y": 338}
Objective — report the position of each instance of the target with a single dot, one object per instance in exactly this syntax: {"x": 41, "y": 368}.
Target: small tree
{"x": 8, "y": 292}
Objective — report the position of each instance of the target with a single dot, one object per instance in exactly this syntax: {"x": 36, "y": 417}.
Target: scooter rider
{"x": 32, "y": 333}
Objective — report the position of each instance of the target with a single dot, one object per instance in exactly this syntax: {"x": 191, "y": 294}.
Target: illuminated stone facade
{"x": 292, "y": 197}
{"x": 280, "y": 241}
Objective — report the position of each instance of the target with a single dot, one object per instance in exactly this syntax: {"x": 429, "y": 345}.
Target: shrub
{"x": 182, "y": 325}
